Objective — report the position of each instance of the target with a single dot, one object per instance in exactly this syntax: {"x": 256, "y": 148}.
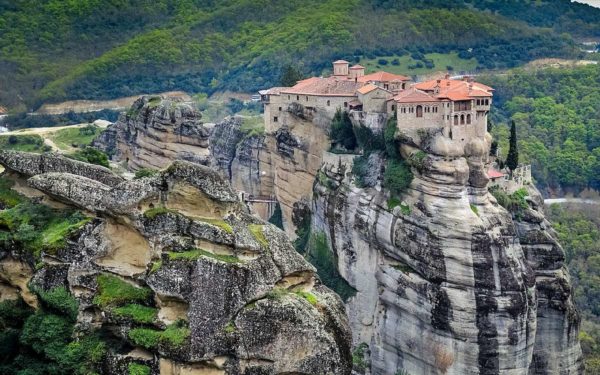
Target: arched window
{"x": 487, "y": 102}
{"x": 403, "y": 86}
{"x": 455, "y": 119}
{"x": 468, "y": 119}
{"x": 419, "y": 111}
{"x": 462, "y": 119}
{"x": 328, "y": 103}
{"x": 393, "y": 107}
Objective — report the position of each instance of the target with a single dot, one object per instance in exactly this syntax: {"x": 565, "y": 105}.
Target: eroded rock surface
{"x": 230, "y": 290}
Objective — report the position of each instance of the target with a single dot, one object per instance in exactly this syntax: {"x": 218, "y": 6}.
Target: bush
{"x": 397, "y": 177}
{"x": 145, "y": 172}
{"x": 277, "y": 217}
{"x": 138, "y": 369}
{"x": 382, "y": 62}
{"x": 60, "y": 300}
{"x": 92, "y": 156}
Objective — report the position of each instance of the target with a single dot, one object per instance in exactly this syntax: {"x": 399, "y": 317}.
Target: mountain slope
{"x": 60, "y": 50}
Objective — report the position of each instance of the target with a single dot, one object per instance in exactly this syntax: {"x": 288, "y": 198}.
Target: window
{"x": 478, "y": 102}
{"x": 279, "y": 109}
{"x": 386, "y": 86}
{"x": 403, "y": 86}
{"x": 450, "y": 134}
{"x": 345, "y": 104}
{"x": 275, "y": 119}
{"x": 487, "y": 102}
{"x": 462, "y": 119}
{"x": 328, "y": 103}
{"x": 288, "y": 97}
{"x": 455, "y": 119}
{"x": 393, "y": 107}
{"x": 419, "y": 111}
{"x": 307, "y": 98}
{"x": 297, "y": 97}
{"x": 468, "y": 119}
{"x": 447, "y": 117}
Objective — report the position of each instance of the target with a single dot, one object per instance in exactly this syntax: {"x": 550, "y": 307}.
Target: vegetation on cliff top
{"x": 58, "y": 50}
{"x": 556, "y": 112}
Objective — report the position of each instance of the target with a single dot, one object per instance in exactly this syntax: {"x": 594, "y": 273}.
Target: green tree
{"x": 341, "y": 130}
{"x": 290, "y": 75}
{"x": 512, "y": 160}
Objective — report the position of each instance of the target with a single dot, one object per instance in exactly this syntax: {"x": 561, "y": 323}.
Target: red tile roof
{"x": 492, "y": 173}
{"x": 357, "y": 67}
{"x": 341, "y": 62}
{"x": 331, "y": 86}
{"x": 382, "y": 76}
{"x": 413, "y": 95}
{"x": 367, "y": 88}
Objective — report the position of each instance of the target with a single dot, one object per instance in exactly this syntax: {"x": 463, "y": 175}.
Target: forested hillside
{"x": 557, "y": 113}
{"x": 53, "y": 50}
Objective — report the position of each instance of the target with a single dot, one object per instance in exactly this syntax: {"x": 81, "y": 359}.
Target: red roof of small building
{"x": 444, "y": 89}
{"x": 492, "y": 173}
{"x": 367, "y": 88}
{"x": 331, "y": 86}
{"x": 341, "y": 62}
{"x": 382, "y": 76}
{"x": 357, "y": 67}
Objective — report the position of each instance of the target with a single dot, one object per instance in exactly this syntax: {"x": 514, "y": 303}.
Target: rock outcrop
{"x": 155, "y": 131}
{"x": 447, "y": 281}
{"x": 231, "y": 294}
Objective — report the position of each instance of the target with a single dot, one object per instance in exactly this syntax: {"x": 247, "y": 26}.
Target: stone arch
{"x": 462, "y": 119}
{"x": 468, "y": 119}
{"x": 455, "y": 119}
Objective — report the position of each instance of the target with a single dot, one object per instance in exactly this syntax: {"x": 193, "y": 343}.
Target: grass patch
{"x": 218, "y": 223}
{"x": 404, "y": 268}
{"x": 137, "y": 313}
{"x": 151, "y": 213}
{"x": 138, "y": 369}
{"x": 431, "y": 62}
{"x": 26, "y": 143}
{"x": 358, "y": 357}
{"x": 311, "y": 298}
{"x": 257, "y": 232}
{"x": 514, "y": 203}
{"x": 155, "y": 266}
{"x": 474, "y": 209}
{"x": 277, "y": 293}
{"x": 77, "y": 137}
{"x": 253, "y": 126}
{"x": 173, "y": 337}
{"x": 405, "y": 209}
{"x": 115, "y": 292}
{"x": 154, "y": 101}
{"x": 199, "y": 253}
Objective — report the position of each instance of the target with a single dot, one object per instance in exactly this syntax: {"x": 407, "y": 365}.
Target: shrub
{"x": 92, "y": 156}
{"x": 174, "y": 336}
{"x": 145, "y": 172}
{"x": 397, "y": 176}
{"x": 393, "y": 202}
{"x": 514, "y": 203}
{"x": 138, "y": 369}
{"x": 60, "y": 300}
{"x": 395, "y": 62}
{"x": 112, "y": 291}
{"x": 382, "y": 62}
{"x": 358, "y": 357}
{"x": 277, "y": 217}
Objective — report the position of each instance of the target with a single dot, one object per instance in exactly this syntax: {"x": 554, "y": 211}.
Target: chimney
{"x": 447, "y": 76}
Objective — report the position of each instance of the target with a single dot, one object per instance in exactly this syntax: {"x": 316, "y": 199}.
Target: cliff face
{"x": 447, "y": 282}
{"x": 229, "y": 293}
{"x": 155, "y": 131}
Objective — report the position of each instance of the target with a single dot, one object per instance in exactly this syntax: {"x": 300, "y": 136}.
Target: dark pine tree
{"x": 289, "y": 76}
{"x": 512, "y": 160}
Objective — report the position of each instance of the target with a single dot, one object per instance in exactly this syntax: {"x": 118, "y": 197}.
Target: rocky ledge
{"x": 225, "y": 292}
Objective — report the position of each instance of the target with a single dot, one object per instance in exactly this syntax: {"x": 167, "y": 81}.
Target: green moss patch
{"x": 311, "y": 298}
{"x": 115, "y": 292}
{"x": 474, "y": 209}
{"x": 199, "y": 253}
{"x": 175, "y": 336}
{"x": 155, "y": 266}
{"x": 151, "y": 213}
{"x": 230, "y": 327}
{"x": 258, "y": 233}
{"x": 59, "y": 299}
{"x": 218, "y": 223}
{"x": 8, "y": 197}
{"x": 137, "y": 313}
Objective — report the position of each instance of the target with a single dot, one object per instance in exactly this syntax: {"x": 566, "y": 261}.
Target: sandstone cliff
{"x": 448, "y": 282}
{"x": 155, "y": 131}
{"x": 228, "y": 292}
